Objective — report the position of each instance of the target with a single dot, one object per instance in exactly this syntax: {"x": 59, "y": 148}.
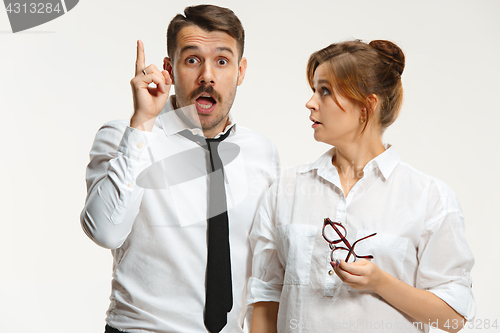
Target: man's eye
{"x": 222, "y": 62}
{"x": 191, "y": 61}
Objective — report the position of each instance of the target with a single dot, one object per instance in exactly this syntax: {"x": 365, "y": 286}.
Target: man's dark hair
{"x": 209, "y": 18}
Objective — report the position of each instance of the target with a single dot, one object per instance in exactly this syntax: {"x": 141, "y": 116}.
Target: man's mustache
{"x": 208, "y": 89}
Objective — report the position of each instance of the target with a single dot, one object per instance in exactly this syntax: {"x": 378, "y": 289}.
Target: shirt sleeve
{"x": 445, "y": 259}
{"x": 266, "y": 281}
{"x": 113, "y": 197}
{"x": 276, "y": 165}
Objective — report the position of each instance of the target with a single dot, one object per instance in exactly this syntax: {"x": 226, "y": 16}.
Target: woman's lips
{"x": 315, "y": 122}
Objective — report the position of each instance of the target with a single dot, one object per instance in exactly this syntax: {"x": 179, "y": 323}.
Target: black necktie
{"x": 219, "y": 293}
{"x": 219, "y": 296}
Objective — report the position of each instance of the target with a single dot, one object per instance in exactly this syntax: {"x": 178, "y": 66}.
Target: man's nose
{"x": 207, "y": 75}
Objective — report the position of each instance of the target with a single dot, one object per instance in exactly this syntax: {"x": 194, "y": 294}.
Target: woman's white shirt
{"x": 420, "y": 240}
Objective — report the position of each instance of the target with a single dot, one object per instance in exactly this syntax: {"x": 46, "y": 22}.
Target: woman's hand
{"x": 420, "y": 304}
{"x": 361, "y": 275}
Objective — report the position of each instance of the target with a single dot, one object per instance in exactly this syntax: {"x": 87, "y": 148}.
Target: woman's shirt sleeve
{"x": 266, "y": 281}
{"x": 445, "y": 259}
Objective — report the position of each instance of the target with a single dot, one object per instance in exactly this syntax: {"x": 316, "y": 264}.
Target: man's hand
{"x": 148, "y": 101}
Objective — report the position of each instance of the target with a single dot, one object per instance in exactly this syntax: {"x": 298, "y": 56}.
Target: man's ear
{"x": 242, "y": 70}
{"x": 169, "y": 67}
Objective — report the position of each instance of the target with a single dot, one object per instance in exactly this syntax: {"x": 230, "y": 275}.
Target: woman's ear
{"x": 372, "y": 103}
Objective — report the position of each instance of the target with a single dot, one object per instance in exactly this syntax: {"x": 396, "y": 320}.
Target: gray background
{"x": 62, "y": 80}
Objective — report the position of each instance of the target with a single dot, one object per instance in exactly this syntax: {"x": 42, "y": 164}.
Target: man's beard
{"x": 223, "y": 104}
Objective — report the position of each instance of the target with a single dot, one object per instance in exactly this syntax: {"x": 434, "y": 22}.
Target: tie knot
{"x": 220, "y": 138}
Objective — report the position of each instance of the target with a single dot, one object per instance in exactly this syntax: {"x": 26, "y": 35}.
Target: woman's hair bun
{"x": 392, "y": 52}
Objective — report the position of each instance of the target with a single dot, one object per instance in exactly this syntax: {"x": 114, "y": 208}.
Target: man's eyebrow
{"x": 189, "y": 47}
{"x": 218, "y": 49}
{"x": 223, "y": 48}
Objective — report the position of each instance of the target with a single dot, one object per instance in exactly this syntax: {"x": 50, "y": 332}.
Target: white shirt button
{"x": 196, "y": 131}
{"x": 140, "y": 145}
{"x": 129, "y": 184}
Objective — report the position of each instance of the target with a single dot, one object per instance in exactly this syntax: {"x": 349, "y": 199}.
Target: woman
{"x": 413, "y": 262}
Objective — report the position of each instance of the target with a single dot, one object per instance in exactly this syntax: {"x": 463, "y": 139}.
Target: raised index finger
{"x": 140, "y": 61}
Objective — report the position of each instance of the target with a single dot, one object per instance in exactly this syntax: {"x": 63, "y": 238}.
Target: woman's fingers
{"x": 341, "y": 269}
{"x": 351, "y": 274}
{"x": 362, "y": 274}
{"x": 355, "y": 268}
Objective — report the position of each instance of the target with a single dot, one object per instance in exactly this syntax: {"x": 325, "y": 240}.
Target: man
{"x": 173, "y": 192}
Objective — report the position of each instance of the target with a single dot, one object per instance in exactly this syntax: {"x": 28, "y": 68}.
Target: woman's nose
{"x": 311, "y": 104}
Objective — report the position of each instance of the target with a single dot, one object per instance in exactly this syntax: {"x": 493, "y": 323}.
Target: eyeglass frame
{"x": 343, "y": 239}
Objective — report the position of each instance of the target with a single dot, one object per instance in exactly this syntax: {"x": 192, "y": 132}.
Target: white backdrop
{"x": 62, "y": 80}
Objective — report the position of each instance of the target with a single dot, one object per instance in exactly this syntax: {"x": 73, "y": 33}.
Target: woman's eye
{"x": 222, "y": 62}
{"x": 325, "y": 91}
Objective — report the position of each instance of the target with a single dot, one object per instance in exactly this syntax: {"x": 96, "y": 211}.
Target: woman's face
{"x": 331, "y": 124}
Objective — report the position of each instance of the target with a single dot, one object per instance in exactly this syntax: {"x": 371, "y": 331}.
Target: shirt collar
{"x": 324, "y": 167}
{"x": 173, "y": 120}
{"x": 385, "y": 162}
{"x": 324, "y": 162}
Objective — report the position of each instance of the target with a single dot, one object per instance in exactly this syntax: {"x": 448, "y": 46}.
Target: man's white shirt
{"x": 147, "y": 201}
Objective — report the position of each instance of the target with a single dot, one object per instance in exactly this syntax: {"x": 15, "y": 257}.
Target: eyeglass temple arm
{"x": 364, "y": 238}
{"x": 351, "y": 249}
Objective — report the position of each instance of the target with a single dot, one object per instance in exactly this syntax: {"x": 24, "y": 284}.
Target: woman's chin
{"x": 318, "y": 137}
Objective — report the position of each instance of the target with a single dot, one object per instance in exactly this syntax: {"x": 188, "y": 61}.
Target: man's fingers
{"x": 152, "y": 69}
{"x": 149, "y": 75}
{"x": 159, "y": 80}
{"x": 141, "y": 58}
{"x": 144, "y": 76}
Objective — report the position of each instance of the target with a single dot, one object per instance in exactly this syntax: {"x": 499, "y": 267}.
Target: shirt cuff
{"x": 134, "y": 159}
{"x": 260, "y": 291}
{"x": 134, "y": 142}
{"x": 459, "y": 297}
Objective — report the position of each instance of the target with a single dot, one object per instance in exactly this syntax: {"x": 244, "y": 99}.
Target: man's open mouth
{"x": 205, "y": 101}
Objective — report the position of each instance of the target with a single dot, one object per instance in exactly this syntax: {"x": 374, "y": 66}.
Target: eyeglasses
{"x": 343, "y": 239}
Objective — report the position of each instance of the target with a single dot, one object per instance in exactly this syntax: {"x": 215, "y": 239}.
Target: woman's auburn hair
{"x": 356, "y": 70}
